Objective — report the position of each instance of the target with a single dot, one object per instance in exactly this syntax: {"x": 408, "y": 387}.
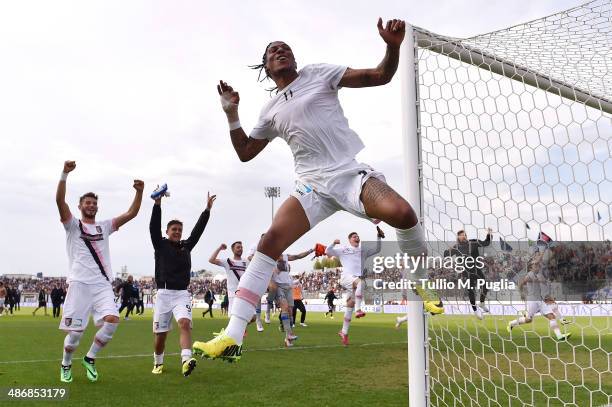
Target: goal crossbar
{"x": 454, "y": 48}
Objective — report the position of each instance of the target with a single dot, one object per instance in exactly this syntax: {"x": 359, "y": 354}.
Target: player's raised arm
{"x": 393, "y": 35}
{"x": 292, "y": 257}
{"x": 60, "y": 195}
{"x": 198, "y": 229}
{"x": 213, "y": 257}
{"x": 371, "y": 251}
{"x": 134, "y": 208}
{"x": 155, "y": 223}
{"x": 331, "y": 251}
{"x": 487, "y": 241}
{"x": 246, "y": 147}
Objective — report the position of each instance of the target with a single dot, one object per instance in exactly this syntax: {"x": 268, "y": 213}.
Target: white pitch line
{"x": 148, "y": 355}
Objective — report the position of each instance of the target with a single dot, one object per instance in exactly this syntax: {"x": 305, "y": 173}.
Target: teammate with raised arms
{"x": 172, "y": 277}
{"x": 89, "y": 274}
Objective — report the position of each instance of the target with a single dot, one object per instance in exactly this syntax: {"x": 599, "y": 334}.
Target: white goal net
{"x": 514, "y": 131}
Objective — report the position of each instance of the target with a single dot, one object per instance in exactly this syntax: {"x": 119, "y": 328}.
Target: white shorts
{"x": 346, "y": 281}
{"x": 342, "y": 191}
{"x": 167, "y": 304}
{"x": 284, "y": 292}
{"x": 533, "y": 307}
{"x": 85, "y": 299}
{"x": 2, "y": 299}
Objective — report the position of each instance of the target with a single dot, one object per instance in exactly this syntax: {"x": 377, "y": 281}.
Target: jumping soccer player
{"x": 353, "y": 259}
{"x": 306, "y": 113}
{"x": 172, "y": 275}
{"x": 468, "y": 249}
{"x": 539, "y": 299}
{"x": 283, "y": 293}
{"x": 89, "y": 274}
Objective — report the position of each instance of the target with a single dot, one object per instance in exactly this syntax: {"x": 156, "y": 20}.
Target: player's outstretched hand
{"x": 159, "y": 198}
{"x": 223, "y": 246}
{"x": 393, "y": 32}
{"x": 210, "y": 201}
{"x": 138, "y": 185}
{"x": 337, "y": 241}
{"x": 229, "y": 97}
{"x": 69, "y": 166}
{"x": 380, "y": 233}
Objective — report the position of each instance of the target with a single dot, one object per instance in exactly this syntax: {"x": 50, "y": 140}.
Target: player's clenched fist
{"x": 69, "y": 166}
{"x": 138, "y": 185}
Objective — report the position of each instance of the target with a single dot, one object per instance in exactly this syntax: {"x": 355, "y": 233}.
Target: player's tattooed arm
{"x": 214, "y": 257}
{"x": 60, "y": 195}
{"x": 393, "y": 35}
{"x": 134, "y": 207}
{"x": 292, "y": 257}
{"x": 246, "y": 147}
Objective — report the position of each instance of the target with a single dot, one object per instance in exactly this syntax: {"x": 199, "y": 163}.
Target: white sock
{"x": 555, "y": 327}
{"x": 519, "y": 321}
{"x": 71, "y": 342}
{"x": 253, "y": 284}
{"x": 286, "y": 321}
{"x": 401, "y": 320}
{"x": 412, "y": 242}
{"x": 185, "y": 354}
{"x": 358, "y": 294}
{"x": 102, "y": 337}
{"x": 348, "y": 312}
{"x": 158, "y": 359}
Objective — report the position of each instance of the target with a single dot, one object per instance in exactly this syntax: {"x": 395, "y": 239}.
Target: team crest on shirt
{"x": 98, "y": 228}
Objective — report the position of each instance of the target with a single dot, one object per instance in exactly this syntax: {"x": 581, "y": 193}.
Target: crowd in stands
{"x": 565, "y": 263}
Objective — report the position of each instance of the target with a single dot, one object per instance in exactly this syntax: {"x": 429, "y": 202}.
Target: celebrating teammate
{"x": 306, "y": 113}
{"x": 353, "y": 259}
{"x": 282, "y": 292}
{"x": 539, "y": 299}
{"x": 89, "y": 274}
{"x": 172, "y": 275}
{"x": 234, "y": 268}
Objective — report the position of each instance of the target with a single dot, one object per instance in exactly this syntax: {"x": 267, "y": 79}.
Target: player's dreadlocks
{"x": 262, "y": 67}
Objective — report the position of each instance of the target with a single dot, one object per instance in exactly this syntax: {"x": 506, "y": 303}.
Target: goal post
{"x": 513, "y": 130}
{"x": 418, "y": 381}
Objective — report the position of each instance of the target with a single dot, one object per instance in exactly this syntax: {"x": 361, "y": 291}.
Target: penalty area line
{"x": 148, "y": 355}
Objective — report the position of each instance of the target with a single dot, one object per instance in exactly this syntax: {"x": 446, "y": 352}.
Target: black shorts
{"x": 42, "y": 303}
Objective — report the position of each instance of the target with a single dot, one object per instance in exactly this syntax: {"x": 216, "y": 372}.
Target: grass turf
{"x": 467, "y": 366}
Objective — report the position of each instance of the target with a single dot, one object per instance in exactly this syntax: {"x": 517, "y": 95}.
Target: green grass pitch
{"x": 317, "y": 372}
